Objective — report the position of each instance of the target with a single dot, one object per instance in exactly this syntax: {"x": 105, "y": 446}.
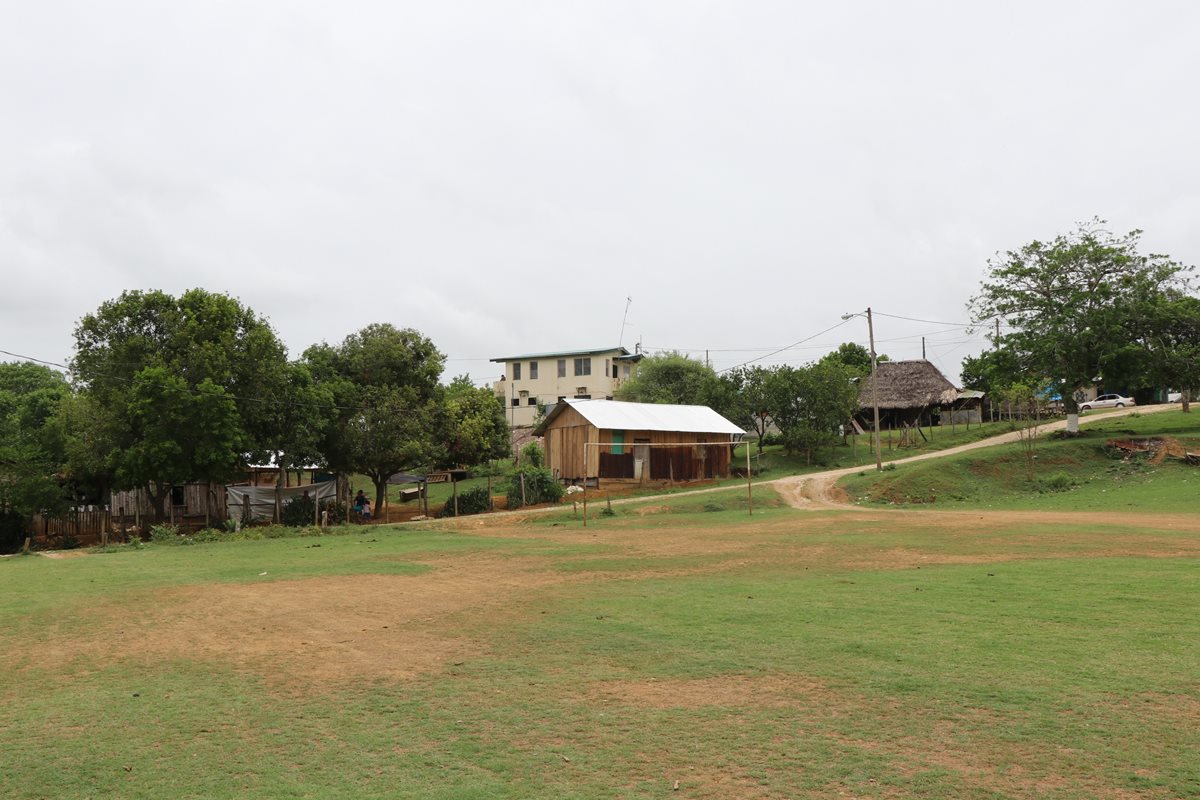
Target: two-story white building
{"x": 538, "y": 380}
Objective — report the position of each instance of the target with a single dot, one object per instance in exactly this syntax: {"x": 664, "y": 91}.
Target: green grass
{"x": 802, "y": 658}
{"x": 1065, "y": 474}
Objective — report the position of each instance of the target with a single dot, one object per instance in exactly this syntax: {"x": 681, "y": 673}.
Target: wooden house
{"x": 910, "y": 393}
{"x": 636, "y": 441}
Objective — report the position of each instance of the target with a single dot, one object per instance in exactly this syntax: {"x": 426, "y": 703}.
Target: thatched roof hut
{"x": 907, "y": 390}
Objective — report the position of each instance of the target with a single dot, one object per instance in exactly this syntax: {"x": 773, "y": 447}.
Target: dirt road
{"x": 818, "y": 490}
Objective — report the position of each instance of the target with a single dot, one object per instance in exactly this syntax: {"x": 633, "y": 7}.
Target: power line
{"x": 789, "y": 347}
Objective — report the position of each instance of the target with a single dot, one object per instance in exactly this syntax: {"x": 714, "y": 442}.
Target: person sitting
{"x": 362, "y": 506}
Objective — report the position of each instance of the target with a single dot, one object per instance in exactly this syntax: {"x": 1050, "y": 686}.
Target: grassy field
{"x": 772, "y": 463}
{"x": 1065, "y": 474}
{"x": 676, "y": 643}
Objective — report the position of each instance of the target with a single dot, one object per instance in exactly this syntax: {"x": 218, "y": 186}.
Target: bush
{"x": 472, "y": 501}
{"x": 298, "y": 512}
{"x": 164, "y": 534}
{"x": 540, "y": 487}
{"x": 1058, "y": 482}
{"x": 532, "y": 455}
{"x": 711, "y": 506}
{"x": 337, "y": 511}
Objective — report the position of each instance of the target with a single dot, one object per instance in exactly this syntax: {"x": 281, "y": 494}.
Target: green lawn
{"x": 1065, "y": 474}
{"x": 786, "y": 654}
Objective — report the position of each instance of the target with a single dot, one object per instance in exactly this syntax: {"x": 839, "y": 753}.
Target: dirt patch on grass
{"x": 738, "y": 691}
{"x": 315, "y": 631}
{"x": 643, "y": 511}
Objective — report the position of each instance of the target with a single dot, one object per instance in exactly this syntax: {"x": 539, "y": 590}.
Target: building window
{"x": 562, "y": 397}
{"x": 583, "y": 397}
{"x": 626, "y": 367}
{"x": 516, "y": 370}
{"x": 516, "y": 401}
{"x": 614, "y": 370}
{"x": 583, "y": 366}
{"x": 533, "y": 370}
{"x": 532, "y": 401}
{"x": 562, "y": 368}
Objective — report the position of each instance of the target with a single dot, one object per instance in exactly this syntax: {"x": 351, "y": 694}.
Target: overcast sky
{"x": 501, "y": 176}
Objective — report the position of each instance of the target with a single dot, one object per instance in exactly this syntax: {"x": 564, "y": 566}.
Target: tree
{"x": 476, "y": 430}
{"x": 390, "y": 413}
{"x": 750, "y": 403}
{"x": 810, "y": 404}
{"x": 1069, "y": 304}
{"x": 186, "y": 385}
{"x": 177, "y": 433}
{"x": 1171, "y": 336}
{"x": 670, "y": 378}
{"x": 991, "y": 371}
{"x": 853, "y": 355}
{"x": 30, "y": 454}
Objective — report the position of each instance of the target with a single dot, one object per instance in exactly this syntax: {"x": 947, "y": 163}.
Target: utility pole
{"x": 875, "y": 391}
{"x": 923, "y": 349}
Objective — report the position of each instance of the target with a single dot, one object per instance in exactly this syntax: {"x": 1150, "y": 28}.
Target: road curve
{"x": 817, "y": 491}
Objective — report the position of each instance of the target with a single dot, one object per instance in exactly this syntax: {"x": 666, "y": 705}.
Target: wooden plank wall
{"x": 84, "y": 527}
{"x": 564, "y": 445}
{"x": 197, "y": 497}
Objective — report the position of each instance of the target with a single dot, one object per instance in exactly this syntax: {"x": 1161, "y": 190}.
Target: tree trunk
{"x": 1187, "y": 400}
{"x": 380, "y": 496}
{"x": 159, "y": 494}
{"x": 1071, "y": 406}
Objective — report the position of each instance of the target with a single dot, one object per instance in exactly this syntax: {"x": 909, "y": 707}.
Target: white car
{"x": 1174, "y": 397}
{"x": 1107, "y": 401}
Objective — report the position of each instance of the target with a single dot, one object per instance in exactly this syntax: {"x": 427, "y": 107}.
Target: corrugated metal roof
{"x": 618, "y": 415}
{"x": 562, "y": 353}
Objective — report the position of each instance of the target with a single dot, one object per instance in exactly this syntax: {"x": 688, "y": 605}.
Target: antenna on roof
{"x": 624, "y": 322}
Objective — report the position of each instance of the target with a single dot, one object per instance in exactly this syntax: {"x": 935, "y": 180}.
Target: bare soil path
{"x": 818, "y": 490}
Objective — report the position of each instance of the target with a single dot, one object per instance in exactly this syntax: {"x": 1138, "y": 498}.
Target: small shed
{"x": 909, "y": 391}
{"x": 636, "y": 441}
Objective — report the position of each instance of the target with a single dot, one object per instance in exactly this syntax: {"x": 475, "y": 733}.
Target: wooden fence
{"x": 76, "y": 528}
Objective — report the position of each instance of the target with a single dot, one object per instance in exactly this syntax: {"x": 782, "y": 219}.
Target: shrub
{"x": 889, "y": 467}
{"x": 298, "y": 512}
{"x": 532, "y": 455}
{"x": 1058, "y": 482}
{"x": 337, "y": 511}
{"x": 711, "y": 506}
{"x": 540, "y": 487}
{"x": 472, "y": 501}
{"x": 164, "y": 534}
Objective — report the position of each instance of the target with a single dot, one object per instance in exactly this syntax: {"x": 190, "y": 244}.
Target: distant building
{"x": 909, "y": 393}
{"x": 636, "y": 441}
{"x": 539, "y": 380}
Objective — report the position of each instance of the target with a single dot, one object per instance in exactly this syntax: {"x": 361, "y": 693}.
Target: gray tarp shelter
{"x": 262, "y": 498}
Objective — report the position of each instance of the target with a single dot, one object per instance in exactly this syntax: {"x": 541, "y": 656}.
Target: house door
{"x": 641, "y": 459}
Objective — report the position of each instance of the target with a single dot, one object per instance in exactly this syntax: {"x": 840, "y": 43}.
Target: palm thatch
{"x": 911, "y": 385}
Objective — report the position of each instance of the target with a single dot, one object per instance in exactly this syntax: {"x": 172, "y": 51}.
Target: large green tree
{"x": 389, "y": 402}
{"x": 1170, "y": 333}
{"x": 188, "y": 386}
{"x": 31, "y": 454}
{"x": 1070, "y": 304}
{"x": 475, "y": 426}
{"x": 670, "y": 378}
{"x": 748, "y": 403}
{"x": 810, "y": 404}
{"x": 991, "y": 371}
